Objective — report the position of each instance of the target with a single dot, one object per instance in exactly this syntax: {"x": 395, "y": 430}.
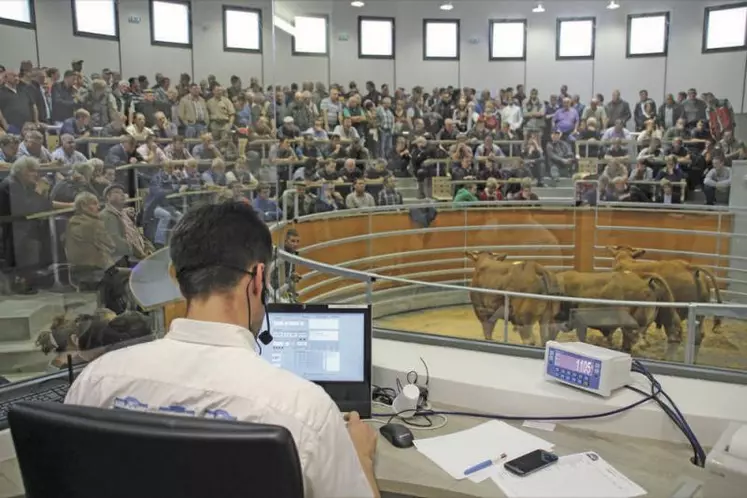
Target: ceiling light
{"x": 613, "y": 5}
{"x": 446, "y": 6}
{"x": 538, "y": 9}
{"x": 357, "y": 3}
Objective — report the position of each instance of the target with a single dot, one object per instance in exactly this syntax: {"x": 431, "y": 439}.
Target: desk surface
{"x": 658, "y": 467}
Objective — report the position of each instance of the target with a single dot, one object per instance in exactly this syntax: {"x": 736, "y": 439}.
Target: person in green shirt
{"x": 468, "y": 193}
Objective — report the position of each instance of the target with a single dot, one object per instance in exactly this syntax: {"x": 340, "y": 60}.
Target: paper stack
{"x": 459, "y": 451}
{"x": 582, "y": 475}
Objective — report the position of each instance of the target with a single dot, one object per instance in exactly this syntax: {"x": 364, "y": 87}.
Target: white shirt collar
{"x": 211, "y": 334}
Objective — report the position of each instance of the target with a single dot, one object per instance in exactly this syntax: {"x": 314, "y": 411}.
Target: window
{"x": 508, "y": 39}
{"x": 311, "y": 35}
{"x": 17, "y": 13}
{"x": 648, "y": 34}
{"x": 375, "y": 37}
{"x": 242, "y": 29}
{"x": 441, "y": 39}
{"x": 725, "y": 28}
{"x": 95, "y": 19}
{"x": 170, "y": 23}
{"x": 575, "y": 38}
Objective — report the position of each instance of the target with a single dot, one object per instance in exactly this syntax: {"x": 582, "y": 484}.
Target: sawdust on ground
{"x": 727, "y": 348}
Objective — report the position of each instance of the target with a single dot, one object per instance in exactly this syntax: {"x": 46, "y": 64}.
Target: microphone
{"x": 265, "y": 337}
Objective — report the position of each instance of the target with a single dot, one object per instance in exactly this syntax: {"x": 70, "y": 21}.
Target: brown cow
{"x": 623, "y": 286}
{"x": 689, "y": 283}
{"x": 492, "y": 272}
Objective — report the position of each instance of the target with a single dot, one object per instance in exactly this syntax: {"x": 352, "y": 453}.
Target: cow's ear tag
{"x": 517, "y": 262}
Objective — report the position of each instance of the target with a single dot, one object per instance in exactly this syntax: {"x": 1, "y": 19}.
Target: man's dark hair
{"x": 234, "y": 78}
{"x": 211, "y": 245}
{"x": 292, "y": 232}
{"x": 68, "y": 73}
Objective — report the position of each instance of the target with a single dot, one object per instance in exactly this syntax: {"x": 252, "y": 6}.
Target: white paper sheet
{"x": 582, "y": 475}
{"x": 543, "y": 426}
{"x": 457, "y": 452}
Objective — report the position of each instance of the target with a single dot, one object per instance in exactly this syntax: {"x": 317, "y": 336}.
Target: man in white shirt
{"x": 511, "y": 114}
{"x": 208, "y": 365}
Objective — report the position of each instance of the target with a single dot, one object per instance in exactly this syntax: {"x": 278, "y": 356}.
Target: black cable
{"x": 672, "y": 412}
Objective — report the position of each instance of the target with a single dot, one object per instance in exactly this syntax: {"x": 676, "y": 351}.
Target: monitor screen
{"x": 320, "y": 347}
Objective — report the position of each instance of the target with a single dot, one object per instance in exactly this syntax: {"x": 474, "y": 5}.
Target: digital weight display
{"x": 573, "y": 363}
{"x": 574, "y": 368}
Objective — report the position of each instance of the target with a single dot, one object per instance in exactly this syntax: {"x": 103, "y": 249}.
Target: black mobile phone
{"x": 531, "y": 462}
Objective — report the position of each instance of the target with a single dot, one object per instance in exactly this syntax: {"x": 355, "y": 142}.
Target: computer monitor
{"x": 327, "y": 344}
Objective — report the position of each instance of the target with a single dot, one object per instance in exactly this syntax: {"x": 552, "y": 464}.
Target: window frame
{"x": 360, "y": 38}
{"x": 328, "y": 35}
{"x": 558, "y": 23}
{"x": 665, "y": 51}
{"x": 491, "y": 23}
{"x": 153, "y": 40}
{"x": 238, "y": 8}
{"x": 20, "y": 24}
{"x": 423, "y": 37}
{"x": 98, "y": 36}
{"x": 706, "y": 16}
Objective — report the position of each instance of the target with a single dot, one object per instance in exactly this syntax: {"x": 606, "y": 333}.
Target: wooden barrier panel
{"x": 543, "y": 232}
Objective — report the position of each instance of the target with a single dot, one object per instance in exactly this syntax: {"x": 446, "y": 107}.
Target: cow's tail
{"x": 711, "y": 278}
{"x": 662, "y": 291}
{"x": 712, "y": 284}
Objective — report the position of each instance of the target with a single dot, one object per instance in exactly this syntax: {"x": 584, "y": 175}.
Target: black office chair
{"x": 67, "y": 451}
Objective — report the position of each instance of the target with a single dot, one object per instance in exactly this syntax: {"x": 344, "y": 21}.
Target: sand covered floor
{"x": 726, "y": 349}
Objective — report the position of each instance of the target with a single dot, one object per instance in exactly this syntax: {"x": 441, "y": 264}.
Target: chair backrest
{"x": 82, "y": 452}
{"x": 441, "y": 188}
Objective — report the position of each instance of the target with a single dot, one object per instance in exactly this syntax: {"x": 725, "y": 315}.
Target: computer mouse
{"x": 399, "y": 435}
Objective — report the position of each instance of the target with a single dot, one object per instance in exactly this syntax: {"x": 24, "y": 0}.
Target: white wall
{"x": 685, "y": 66}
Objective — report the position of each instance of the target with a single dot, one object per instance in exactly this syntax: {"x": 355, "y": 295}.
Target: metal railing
{"x": 364, "y": 281}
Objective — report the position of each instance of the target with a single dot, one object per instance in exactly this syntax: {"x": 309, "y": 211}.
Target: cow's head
{"x": 486, "y": 255}
{"x": 625, "y": 252}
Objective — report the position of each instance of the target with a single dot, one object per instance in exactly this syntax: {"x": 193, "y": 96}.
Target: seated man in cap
{"x": 118, "y": 219}
{"x": 289, "y": 129}
{"x": 560, "y": 157}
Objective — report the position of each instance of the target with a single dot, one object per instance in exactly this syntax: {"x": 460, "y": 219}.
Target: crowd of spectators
{"x": 305, "y": 149}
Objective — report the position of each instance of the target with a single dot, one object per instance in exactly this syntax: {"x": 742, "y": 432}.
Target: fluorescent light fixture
{"x": 538, "y": 9}
{"x": 284, "y": 25}
{"x": 446, "y": 6}
{"x": 357, "y": 3}
{"x": 613, "y": 5}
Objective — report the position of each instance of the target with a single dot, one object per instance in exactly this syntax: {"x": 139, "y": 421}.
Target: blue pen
{"x": 484, "y": 465}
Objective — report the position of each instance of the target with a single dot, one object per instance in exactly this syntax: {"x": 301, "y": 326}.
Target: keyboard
{"x": 55, "y": 394}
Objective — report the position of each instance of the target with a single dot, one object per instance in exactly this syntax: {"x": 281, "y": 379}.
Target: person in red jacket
{"x": 491, "y": 192}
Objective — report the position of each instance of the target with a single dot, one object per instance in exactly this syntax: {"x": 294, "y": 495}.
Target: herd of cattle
{"x": 630, "y": 280}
